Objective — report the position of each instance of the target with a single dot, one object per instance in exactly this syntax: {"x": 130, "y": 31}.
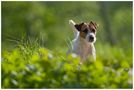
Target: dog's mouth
{"x": 91, "y": 40}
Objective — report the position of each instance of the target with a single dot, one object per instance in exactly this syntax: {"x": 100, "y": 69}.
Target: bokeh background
{"x": 35, "y": 38}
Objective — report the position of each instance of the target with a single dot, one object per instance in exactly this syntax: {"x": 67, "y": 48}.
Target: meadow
{"x": 35, "y": 38}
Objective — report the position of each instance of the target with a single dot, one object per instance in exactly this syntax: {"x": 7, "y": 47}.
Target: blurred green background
{"x": 39, "y": 31}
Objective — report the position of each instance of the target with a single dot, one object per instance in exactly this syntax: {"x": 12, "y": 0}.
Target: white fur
{"x": 90, "y": 34}
{"x": 81, "y": 46}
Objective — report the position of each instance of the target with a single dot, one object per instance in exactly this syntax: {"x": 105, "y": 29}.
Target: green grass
{"x": 32, "y": 66}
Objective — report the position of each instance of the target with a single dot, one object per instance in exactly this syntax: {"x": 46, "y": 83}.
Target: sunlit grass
{"x": 32, "y": 66}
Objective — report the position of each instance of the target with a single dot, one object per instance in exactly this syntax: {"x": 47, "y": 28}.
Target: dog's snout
{"x": 91, "y": 37}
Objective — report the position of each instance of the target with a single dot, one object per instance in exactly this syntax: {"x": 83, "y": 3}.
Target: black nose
{"x": 91, "y": 38}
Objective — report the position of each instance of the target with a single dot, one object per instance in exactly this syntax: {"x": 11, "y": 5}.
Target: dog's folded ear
{"x": 78, "y": 26}
{"x": 94, "y": 24}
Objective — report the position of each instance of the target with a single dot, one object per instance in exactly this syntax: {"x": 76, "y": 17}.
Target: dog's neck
{"x": 84, "y": 45}
{"x": 84, "y": 48}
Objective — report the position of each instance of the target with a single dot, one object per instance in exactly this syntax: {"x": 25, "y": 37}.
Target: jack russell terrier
{"x": 85, "y": 37}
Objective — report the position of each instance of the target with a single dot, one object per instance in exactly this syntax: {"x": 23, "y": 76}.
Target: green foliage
{"x": 47, "y": 69}
{"x": 38, "y": 60}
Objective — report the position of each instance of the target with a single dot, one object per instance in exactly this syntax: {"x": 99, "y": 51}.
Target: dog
{"x": 85, "y": 37}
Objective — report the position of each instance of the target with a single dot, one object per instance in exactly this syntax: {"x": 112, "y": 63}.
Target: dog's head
{"x": 87, "y": 31}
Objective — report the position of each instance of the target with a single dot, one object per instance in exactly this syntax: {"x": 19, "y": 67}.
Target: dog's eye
{"x": 85, "y": 31}
{"x": 93, "y": 30}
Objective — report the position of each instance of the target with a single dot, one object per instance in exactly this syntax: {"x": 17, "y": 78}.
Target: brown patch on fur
{"x": 82, "y": 34}
{"x": 93, "y": 25}
{"x": 89, "y": 26}
{"x": 84, "y": 26}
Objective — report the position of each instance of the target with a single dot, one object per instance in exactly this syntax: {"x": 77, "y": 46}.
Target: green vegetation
{"x": 47, "y": 69}
{"x": 34, "y": 45}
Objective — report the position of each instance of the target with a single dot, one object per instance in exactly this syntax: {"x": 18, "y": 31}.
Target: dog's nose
{"x": 91, "y": 38}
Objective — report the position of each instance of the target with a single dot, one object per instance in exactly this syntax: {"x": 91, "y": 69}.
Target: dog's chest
{"x": 82, "y": 48}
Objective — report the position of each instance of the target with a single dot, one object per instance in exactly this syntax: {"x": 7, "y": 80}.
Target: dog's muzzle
{"x": 91, "y": 38}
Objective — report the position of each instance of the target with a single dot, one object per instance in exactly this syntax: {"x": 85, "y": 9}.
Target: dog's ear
{"x": 78, "y": 26}
{"x": 94, "y": 24}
